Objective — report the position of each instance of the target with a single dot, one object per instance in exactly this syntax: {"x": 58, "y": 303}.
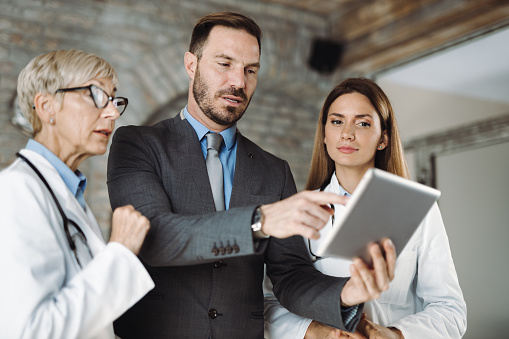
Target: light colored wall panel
{"x": 475, "y": 208}
{"x": 421, "y": 111}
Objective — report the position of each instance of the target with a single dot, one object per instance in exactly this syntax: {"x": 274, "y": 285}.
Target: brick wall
{"x": 145, "y": 41}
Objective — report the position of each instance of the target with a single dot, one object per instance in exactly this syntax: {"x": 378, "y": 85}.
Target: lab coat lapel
{"x": 85, "y": 220}
{"x": 69, "y": 203}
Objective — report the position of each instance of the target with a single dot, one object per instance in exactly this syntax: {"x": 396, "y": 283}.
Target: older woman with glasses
{"x": 59, "y": 278}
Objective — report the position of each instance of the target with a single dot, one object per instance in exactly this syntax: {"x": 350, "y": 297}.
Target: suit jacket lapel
{"x": 193, "y": 164}
{"x": 245, "y": 174}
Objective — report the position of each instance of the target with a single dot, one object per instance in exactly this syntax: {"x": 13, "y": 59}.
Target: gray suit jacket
{"x": 207, "y": 269}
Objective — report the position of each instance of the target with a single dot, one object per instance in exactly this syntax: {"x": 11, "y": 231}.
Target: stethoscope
{"x": 67, "y": 221}
{"x": 315, "y": 257}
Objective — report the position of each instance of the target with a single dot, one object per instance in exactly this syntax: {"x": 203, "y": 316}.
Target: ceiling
{"x": 145, "y": 41}
{"x": 478, "y": 68}
{"x": 321, "y": 7}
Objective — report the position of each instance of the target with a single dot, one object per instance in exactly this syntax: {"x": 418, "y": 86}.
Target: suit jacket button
{"x": 222, "y": 250}
{"x": 212, "y": 314}
{"x": 229, "y": 248}
{"x": 218, "y": 264}
{"x": 236, "y": 248}
{"x": 215, "y": 250}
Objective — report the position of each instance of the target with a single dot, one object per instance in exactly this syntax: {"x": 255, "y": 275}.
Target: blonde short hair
{"x": 49, "y": 72}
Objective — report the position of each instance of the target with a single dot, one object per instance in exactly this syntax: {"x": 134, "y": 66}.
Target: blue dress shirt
{"x": 76, "y": 182}
{"x": 227, "y": 152}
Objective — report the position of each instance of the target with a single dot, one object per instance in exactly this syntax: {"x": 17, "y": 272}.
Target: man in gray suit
{"x": 208, "y": 265}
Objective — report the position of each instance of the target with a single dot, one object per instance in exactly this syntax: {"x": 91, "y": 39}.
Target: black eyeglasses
{"x": 101, "y": 98}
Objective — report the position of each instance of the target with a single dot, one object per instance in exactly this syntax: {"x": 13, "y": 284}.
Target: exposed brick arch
{"x": 146, "y": 40}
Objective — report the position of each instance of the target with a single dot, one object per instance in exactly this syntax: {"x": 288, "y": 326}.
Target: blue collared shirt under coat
{"x": 227, "y": 152}
{"x": 76, "y": 182}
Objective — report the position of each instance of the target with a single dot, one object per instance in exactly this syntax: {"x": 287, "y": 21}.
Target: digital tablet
{"x": 383, "y": 205}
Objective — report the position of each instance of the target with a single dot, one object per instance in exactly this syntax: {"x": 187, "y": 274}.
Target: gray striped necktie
{"x": 215, "y": 169}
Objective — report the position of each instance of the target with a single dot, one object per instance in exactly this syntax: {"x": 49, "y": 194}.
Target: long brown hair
{"x": 390, "y": 159}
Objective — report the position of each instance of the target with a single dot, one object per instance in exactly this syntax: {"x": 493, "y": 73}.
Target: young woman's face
{"x": 353, "y": 132}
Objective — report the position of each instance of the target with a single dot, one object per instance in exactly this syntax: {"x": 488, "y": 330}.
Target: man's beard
{"x": 205, "y": 101}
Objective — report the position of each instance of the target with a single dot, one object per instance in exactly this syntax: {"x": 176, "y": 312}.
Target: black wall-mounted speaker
{"x": 325, "y": 55}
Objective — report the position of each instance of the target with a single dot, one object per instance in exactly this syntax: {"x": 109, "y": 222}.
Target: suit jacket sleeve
{"x": 301, "y": 288}
{"x": 147, "y": 170}
{"x": 161, "y": 171}
{"x": 298, "y": 285}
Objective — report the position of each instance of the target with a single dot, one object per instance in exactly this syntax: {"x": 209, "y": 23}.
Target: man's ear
{"x": 190, "y": 64}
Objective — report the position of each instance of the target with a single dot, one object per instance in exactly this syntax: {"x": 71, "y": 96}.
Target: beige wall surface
{"x": 423, "y": 112}
{"x": 474, "y": 204}
{"x": 474, "y": 201}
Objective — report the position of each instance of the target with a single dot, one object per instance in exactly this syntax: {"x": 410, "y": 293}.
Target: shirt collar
{"x": 73, "y": 180}
{"x": 229, "y": 135}
{"x": 336, "y": 186}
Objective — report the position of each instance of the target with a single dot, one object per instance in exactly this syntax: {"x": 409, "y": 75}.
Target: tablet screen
{"x": 383, "y": 205}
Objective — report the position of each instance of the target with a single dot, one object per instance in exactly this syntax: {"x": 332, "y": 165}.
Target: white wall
{"x": 474, "y": 201}
{"x": 475, "y": 208}
{"x": 422, "y": 112}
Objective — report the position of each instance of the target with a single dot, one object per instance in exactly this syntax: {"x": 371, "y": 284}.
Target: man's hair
{"x": 49, "y": 72}
{"x": 226, "y": 19}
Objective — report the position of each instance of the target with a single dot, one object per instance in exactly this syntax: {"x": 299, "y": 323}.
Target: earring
{"x": 51, "y": 121}
{"x": 380, "y": 147}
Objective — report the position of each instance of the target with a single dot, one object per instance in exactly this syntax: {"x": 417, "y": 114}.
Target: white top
{"x": 43, "y": 291}
{"x": 423, "y": 301}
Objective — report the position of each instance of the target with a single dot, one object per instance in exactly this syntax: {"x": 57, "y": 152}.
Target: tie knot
{"x": 214, "y": 141}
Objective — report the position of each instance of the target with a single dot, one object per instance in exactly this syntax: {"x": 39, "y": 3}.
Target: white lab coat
{"x": 423, "y": 301}
{"x": 43, "y": 291}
